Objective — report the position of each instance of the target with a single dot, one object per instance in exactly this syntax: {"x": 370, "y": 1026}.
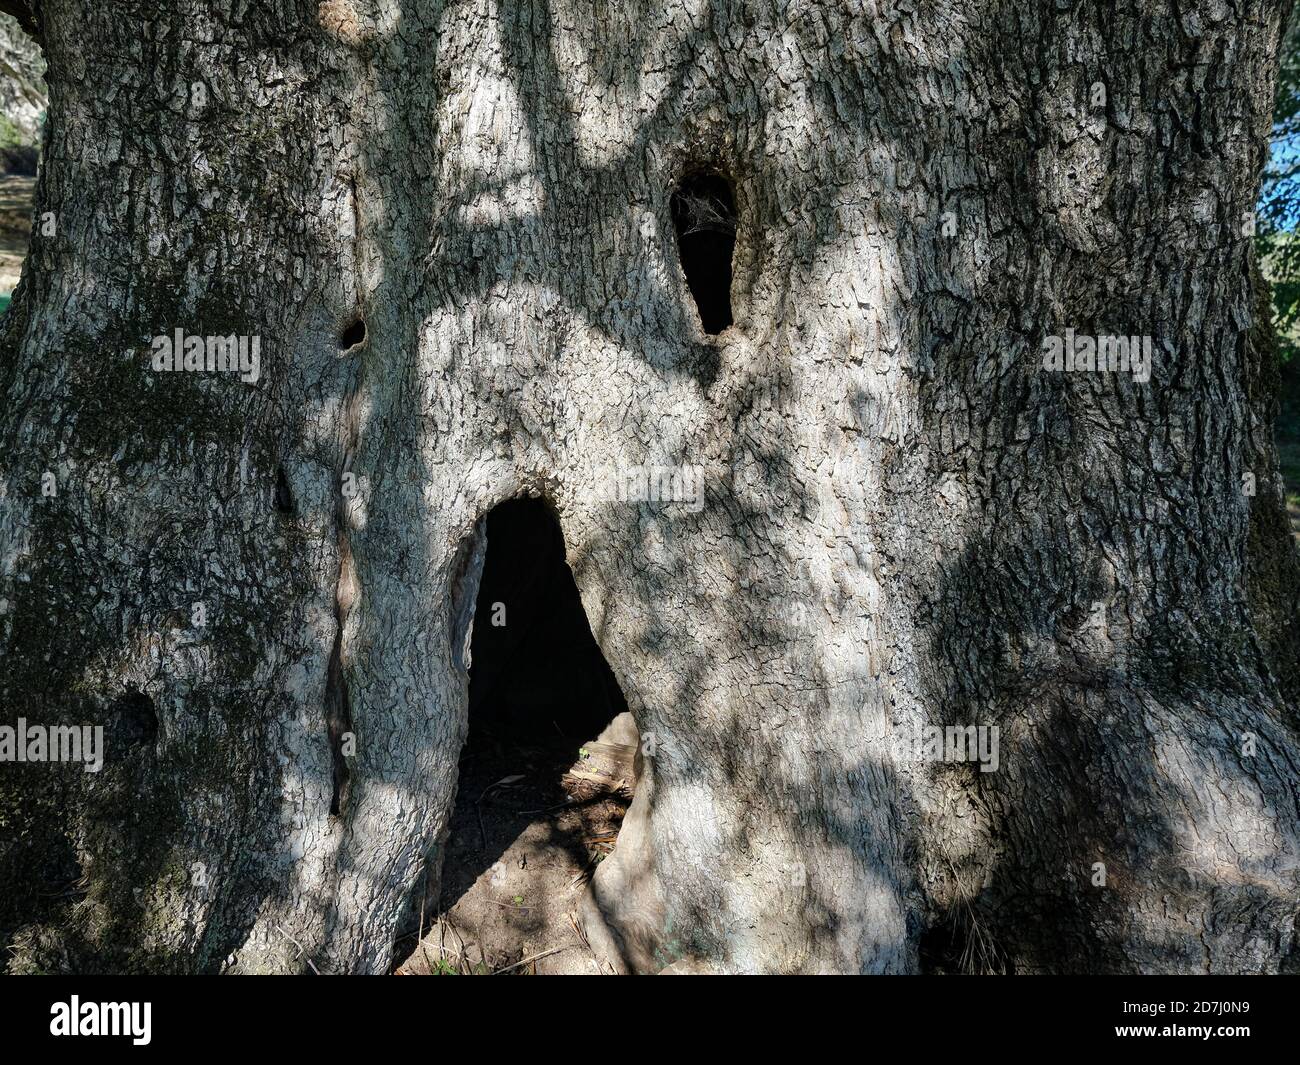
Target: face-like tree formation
{"x": 844, "y": 546}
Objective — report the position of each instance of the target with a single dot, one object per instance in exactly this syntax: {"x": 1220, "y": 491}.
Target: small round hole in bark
{"x": 353, "y": 335}
{"x": 134, "y": 720}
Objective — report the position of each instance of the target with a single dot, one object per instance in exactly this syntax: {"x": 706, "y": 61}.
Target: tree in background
{"x": 22, "y": 97}
{"x": 1278, "y": 250}
{"x": 1279, "y": 202}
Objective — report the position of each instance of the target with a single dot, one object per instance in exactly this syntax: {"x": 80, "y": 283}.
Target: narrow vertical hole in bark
{"x": 704, "y": 216}
{"x": 547, "y": 771}
{"x": 338, "y": 705}
{"x": 338, "y": 720}
{"x": 283, "y": 497}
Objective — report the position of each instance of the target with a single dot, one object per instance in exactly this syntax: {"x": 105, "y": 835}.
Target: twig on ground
{"x": 535, "y": 957}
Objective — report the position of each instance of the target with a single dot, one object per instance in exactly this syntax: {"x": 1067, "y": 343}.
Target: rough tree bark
{"x": 906, "y": 519}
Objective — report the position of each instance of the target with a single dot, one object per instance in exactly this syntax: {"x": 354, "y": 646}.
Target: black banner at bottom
{"x": 143, "y": 1014}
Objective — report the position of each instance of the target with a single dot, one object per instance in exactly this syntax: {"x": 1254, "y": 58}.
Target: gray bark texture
{"x": 906, "y": 519}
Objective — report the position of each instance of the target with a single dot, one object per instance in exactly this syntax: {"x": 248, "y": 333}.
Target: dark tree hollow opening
{"x": 133, "y": 722}
{"x": 536, "y": 670}
{"x": 282, "y": 497}
{"x": 704, "y": 217}
{"x": 549, "y": 765}
{"x": 353, "y": 335}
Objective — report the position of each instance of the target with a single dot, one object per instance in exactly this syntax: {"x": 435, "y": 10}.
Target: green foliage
{"x": 1277, "y": 243}
{"x": 10, "y": 135}
{"x": 1278, "y": 247}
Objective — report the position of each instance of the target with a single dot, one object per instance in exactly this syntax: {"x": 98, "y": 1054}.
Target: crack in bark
{"x": 338, "y": 711}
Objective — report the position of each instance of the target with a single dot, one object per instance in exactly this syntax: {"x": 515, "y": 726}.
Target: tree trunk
{"x": 906, "y": 520}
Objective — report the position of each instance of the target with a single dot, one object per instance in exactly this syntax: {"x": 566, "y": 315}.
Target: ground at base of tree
{"x": 15, "y": 228}
{"x": 530, "y": 825}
